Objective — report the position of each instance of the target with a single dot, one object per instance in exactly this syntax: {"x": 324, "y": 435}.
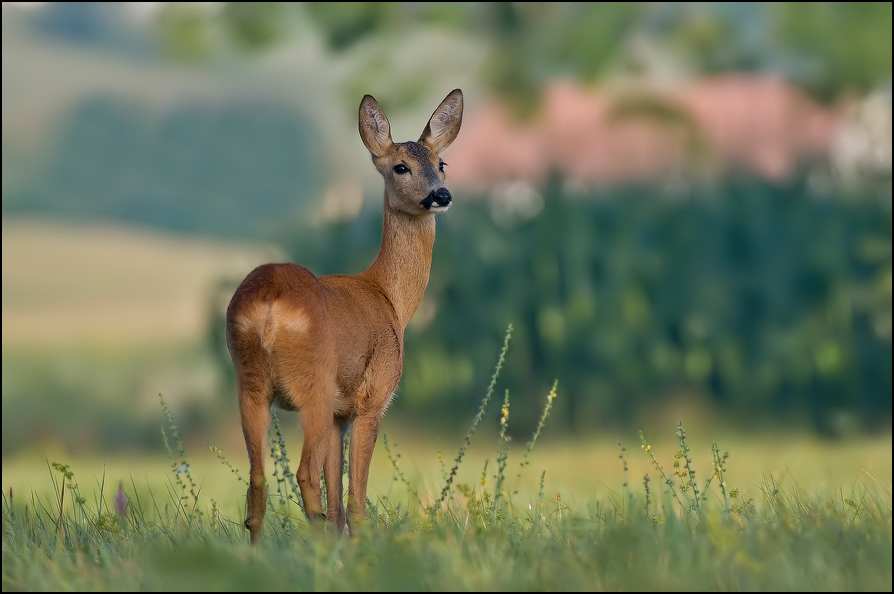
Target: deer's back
{"x": 276, "y": 304}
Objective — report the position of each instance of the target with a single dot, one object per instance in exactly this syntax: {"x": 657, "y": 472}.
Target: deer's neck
{"x": 404, "y": 261}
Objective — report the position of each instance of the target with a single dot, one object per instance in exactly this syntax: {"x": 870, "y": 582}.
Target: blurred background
{"x": 683, "y": 209}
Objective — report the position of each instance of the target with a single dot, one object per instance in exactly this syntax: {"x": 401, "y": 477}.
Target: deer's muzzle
{"x": 438, "y": 201}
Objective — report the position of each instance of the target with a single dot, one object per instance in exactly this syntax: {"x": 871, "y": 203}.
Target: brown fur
{"x": 332, "y": 347}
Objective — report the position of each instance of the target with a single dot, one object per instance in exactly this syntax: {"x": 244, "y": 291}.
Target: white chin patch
{"x": 437, "y": 209}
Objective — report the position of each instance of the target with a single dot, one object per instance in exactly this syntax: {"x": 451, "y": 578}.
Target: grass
{"x": 673, "y": 520}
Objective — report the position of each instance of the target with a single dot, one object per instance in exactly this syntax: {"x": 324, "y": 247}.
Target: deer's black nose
{"x": 439, "y": 198}
{"x": 443, "y": 197}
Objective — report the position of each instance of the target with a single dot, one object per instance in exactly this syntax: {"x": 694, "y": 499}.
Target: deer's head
{"x": 413, "y": 171}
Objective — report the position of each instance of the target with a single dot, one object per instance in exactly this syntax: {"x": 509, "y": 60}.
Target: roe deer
{"x": 332, "y": 347}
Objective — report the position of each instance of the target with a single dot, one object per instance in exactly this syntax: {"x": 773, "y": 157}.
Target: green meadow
{"x": 585, "y": 517}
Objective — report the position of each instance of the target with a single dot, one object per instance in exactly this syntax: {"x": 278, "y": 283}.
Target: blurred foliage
{"x": 345, "y": 23}
{"x": 195, "y": 30}
{"x": 769, "y": 302}
{"x": 842, "y": 47}
{"x": 254, "y": 24}
{"x": 830, "y": 49}
{"x": 184, "y": 31}
{"x": 530, "y": 41}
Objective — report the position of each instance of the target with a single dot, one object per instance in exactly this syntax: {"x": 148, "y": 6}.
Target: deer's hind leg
{"x": 316, "y": 420}
{"x": 255, "y": 394}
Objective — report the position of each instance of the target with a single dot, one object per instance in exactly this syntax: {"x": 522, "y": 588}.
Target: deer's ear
{"x": 444, "y": 124}
{"x": 375, "y": 131}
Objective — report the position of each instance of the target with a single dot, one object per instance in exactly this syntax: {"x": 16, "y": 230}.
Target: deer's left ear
{"x": 375, "y": 131}
{"x": 444, "y": 124}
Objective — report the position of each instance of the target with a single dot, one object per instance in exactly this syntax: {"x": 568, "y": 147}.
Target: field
{"x": 782, "y": 511}
{"x": 102, "y": 283}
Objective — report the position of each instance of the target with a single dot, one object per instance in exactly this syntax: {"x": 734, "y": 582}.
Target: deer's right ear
{"x": 445, "y": 122}
{"x": 375, "y": 131}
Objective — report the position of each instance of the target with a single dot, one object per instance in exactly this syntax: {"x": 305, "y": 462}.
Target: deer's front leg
{"x": 333, "y": 469}
{"x": 363, "y": 442}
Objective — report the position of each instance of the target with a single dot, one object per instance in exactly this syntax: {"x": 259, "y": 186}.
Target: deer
{"x": 332, "y": 347}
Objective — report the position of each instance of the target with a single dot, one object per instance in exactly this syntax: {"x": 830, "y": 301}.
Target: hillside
{"x": 111, "y": 283}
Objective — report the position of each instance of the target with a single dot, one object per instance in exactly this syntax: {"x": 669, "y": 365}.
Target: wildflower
{"x": 120, "y": 500}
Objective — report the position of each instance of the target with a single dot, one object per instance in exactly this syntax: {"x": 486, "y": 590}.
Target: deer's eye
{"x": 401, "y": 169}
{"x": 441, "y": 166}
